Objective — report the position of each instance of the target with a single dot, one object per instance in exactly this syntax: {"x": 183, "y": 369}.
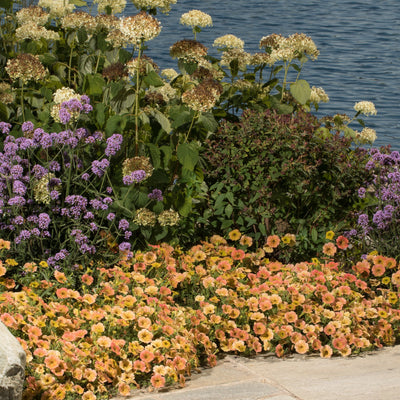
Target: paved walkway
{"x": 372, "y": 376}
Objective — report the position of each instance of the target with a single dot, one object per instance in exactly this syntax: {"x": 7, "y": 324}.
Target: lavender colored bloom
{"x": 33, "y": 219}
{"x": 110, "y": 216}
{"x": 123, "y": 224}
{"x": 18, "y": 220}
{"x": 39, "y": 171}
{"x": 85, "y": 176}
{"x": 361, "y": 192}
{"x": 96, "y": 204}
{"x": 54, "y": 166}
{"x": 19, "y": 188}
{"x": 46, "y": 141}
{"x": 156, "y": 194}
{"x": 37, "y": 135}
{"x": 65, "y": 116}
{"x": 127, "y": 235}
{"x": 107, "y": 200}
{"x": 98, "y": 167}
{"x": 93, "y": 226}
{"x": 25, "y": 143}
{"x": 124, "y": 246}
{"x": 85, "y": 99}
{"x": 113, "y": 144}
{"x": 35, "y": 232}
{"x": 379, "y": 219}
{"x": 89, "y": 215}
{"x": 44, "y": 221}
{"x": 109, "y": 189}
{"x": 5, "y": 127}
{"x": 16, "y": 201}
{"x": 134, "y": 177}
{"x": 61, "y": 255}
{"x": 24, "y": 234}
{"x": 54, "y": 194}
{"x": 16, "y": 171}
{"x": 10, "y": 149}
{"x": 27, "y": 127}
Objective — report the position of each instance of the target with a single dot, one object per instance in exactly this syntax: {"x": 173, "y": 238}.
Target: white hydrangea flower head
{"x": 365, "y": 107}
{"x": 195, "y": 18}
{"x": 228, "y": 42}
{"x": 57, "y": 8}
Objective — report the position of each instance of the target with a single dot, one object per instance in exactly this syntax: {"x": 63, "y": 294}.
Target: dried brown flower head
{"x": 188, "y": 50}
{"x": 115, "y": 72}
{"x": 204, "y": 96}
{"x": 137, "y": 163}
{"x": 26, "y": 67}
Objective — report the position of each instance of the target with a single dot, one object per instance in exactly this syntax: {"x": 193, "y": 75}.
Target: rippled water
{"x": 359, "y": 43}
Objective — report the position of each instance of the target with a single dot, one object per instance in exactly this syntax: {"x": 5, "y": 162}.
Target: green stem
{"x": 137, "y": 101}
{"x": 284, "y": 79}
{"x": 196, "y": 115}
{"x": 22, "y": 102}
{"x": 70, "y": 64}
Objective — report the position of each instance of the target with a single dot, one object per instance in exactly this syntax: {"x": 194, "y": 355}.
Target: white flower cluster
{"x": 117, "y": 6}
{"x": 195, "y": 18}
{"x": 169, "y": 73}
{"x": 240, "y": 55}
{"x": 57, "y": 8}
{"x": 367, "y": 135}
{"x": 318, "y": 95}
{"x": 139, "y": 27}
{"x": 34, "y": 14}
{"x": 228, "y": 42}
{"x": 365, "y": 107}
{"x": 163, "y": 5}
{"x": 79, "y": 20}
{"x": 30, "y": 30}
{"x": 288, "y": 48}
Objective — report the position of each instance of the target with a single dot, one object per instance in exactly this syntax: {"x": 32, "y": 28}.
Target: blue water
{"x": 359, "y": 43}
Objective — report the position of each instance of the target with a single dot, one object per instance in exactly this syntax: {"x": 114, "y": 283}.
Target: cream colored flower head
{"x": 116, "y": 6}
{"x": 79, "y": 20}
{"x": 367, "y": 135}
{"x": 33, "y": 31}
{"x": 195, "y": 18}
{"x": 228, "y": 42}
{"x": 57, "y": 8}
{"x": 169, "y": 73}
{"x": 163, "y": 5}
{"x": 140, "y": 27}
{"x": 318, "y": 95}
{"x": 33, "y": 14}
{"x": 243, "y": 58}
{"x": 365, "y": 107}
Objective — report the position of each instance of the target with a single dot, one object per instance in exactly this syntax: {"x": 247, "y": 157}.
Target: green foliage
{"x": 271, "y": 174}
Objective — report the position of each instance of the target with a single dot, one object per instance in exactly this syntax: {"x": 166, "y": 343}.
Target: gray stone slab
{"x": 12, "y": 366}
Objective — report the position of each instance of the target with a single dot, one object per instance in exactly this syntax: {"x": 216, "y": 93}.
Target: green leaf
{"x": 100, "y": 114}
{"x": 226, "y": 224}
{"x": 155, "y": 155}
{"x": 228, "y": 210}
{"x": 162, "y": 120}
{"x": 115, "y": 124}
{"x": 208, "y": 122}
{"x": 153, "y": 79}
{"x": 82, "y": 35}
{"x": 94, "y": 84}
{"x": 167, "y": 155}
{"x": 301, "y": 91}
{"x": 314, "y": 235}
{"x": 188, "y": 67}
{"x": 4, "y": 112}
{"x": 186, "y": 207}
{"x": 188, "y": 155}
{"x": 234, "y": 66}
{"x": 86, "y": 63}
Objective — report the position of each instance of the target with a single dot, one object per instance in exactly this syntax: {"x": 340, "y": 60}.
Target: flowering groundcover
{"x": 151, "y": 320}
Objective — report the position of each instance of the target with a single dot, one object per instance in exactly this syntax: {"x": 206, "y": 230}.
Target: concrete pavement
{"x": 370, "y": 376}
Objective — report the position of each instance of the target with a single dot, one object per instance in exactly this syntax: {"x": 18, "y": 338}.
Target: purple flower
{"x": 19, "y": 188}
{"x": 156, "y": 194}
{"x": 54, "y": 194}
{"x": 124, "y": 246}
{"x": 113, "y": 144}
{"x": 18, "y": 220}
{"x": 46, "y": 141}
{"x": 44, "y": 221}
{"x": 93, "y": 226}
{"x": 16, "y": 201}
{"x": 98, "y": 167}
{"x": 54, "y": 166}
{"x": 16, "y": 171}
{"x": 64, "y": 115}
{"x": 134, "y": 177}
{"x": 123, "y": 224}
{"x": 27, "y": 127}
{"x": 361, "y": 192}
{"x": 85, "y": 176}
{"x": 110, "y": 216}
{"x": 5, "y": 127}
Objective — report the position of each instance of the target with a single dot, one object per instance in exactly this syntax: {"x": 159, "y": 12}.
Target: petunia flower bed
{"x": 150, "y": 321}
